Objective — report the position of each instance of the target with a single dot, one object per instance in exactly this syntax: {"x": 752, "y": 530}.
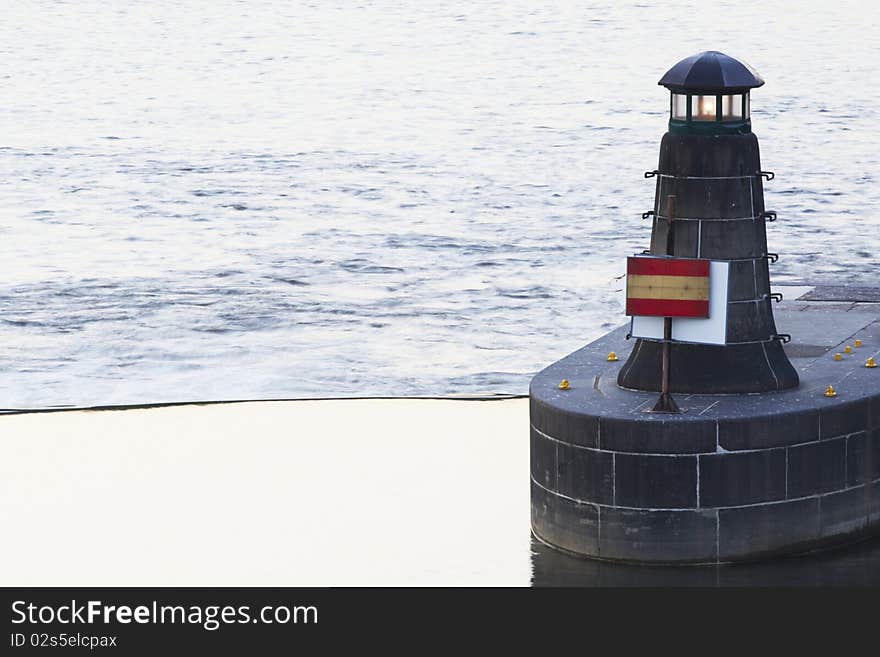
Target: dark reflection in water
{"x": 853, "y": 565}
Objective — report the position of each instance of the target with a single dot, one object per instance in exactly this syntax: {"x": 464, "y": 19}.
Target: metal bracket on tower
{"x": 769, "y": 215}
{"x": 771, "y": 257}
{"x": 769, "y": 175}
{"x": 651, "y": 174}
{"x": 649, "y": 213}
{"x": 775, "y": 296}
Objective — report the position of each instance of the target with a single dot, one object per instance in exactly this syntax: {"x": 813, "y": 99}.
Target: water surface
{"x": 271, "y": 199}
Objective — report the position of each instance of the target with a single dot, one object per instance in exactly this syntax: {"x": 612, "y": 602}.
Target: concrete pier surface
{"x": 735, "y": 477}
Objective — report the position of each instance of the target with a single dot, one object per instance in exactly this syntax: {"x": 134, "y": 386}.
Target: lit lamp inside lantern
{"x": 729, "y": 111}
{"x": 703, "y": 108}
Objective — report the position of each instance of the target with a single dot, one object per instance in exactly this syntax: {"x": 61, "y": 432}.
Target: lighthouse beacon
{"x": 710, "y": 174}
{"x": 759, "y": 444}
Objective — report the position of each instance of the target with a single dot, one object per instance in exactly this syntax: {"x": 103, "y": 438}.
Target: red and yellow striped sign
{"x": 667, "y": 287}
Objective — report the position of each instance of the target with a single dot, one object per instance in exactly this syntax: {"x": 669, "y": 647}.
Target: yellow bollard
{"x": 870, "y": 362}
{"x": 564, "y": 385}
{"x": 830, "y": 392}
{"x": 612, "y": 357}
{"x": 847, "y": 349}
{"x": 858, "y": 343}
{"x": 838, "y": 357}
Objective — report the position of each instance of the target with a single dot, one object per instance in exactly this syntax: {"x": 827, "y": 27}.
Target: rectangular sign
{"x": 711, "y": 330}
{"x": 667, "y": 287}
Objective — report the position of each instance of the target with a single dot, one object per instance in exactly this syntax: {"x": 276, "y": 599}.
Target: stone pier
{"x": 734, "y": 477}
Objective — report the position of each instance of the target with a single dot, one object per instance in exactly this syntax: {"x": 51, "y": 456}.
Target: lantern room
{"x": 709, "y": 94}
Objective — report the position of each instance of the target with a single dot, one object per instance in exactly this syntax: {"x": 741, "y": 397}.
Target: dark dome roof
{"x": 711, "y": 71}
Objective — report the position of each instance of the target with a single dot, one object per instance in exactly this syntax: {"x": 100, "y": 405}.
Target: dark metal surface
{"x": 711, "y": 71}
{"x": 719, "y": 214}
{"x": 665, "y": 403}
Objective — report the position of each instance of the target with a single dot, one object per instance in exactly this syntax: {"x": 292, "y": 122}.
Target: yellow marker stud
{"x": 847, "y": 349}
{"x": 830, "y": 392}
{"x": 564, "y": 385}
{"x": 858, "y": 343}
{"x": 870, "y": 362}
{"x": 612, "y": 357}
{"x": 838, "y": 357}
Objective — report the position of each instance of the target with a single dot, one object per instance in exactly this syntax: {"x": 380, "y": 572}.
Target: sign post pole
{"x": 666, "y": 404}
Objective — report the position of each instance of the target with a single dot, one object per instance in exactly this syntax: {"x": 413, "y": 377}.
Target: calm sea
{"x": 282, "y": 199}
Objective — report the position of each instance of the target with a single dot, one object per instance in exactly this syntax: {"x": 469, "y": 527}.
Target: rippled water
{"x": 270, "y": 199}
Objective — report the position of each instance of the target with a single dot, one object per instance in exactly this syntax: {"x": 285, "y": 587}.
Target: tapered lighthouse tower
{"x": 709, "y": 179}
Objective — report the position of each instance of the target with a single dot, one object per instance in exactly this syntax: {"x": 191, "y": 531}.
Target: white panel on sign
{"x": 692, "y": 329}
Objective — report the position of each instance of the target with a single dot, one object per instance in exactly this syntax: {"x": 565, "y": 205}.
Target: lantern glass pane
{"x": 703, "y": 108}
{"x": 679, "y": 106}
{"x": 731, "y": 107}
{"x": 748, "y": 107}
